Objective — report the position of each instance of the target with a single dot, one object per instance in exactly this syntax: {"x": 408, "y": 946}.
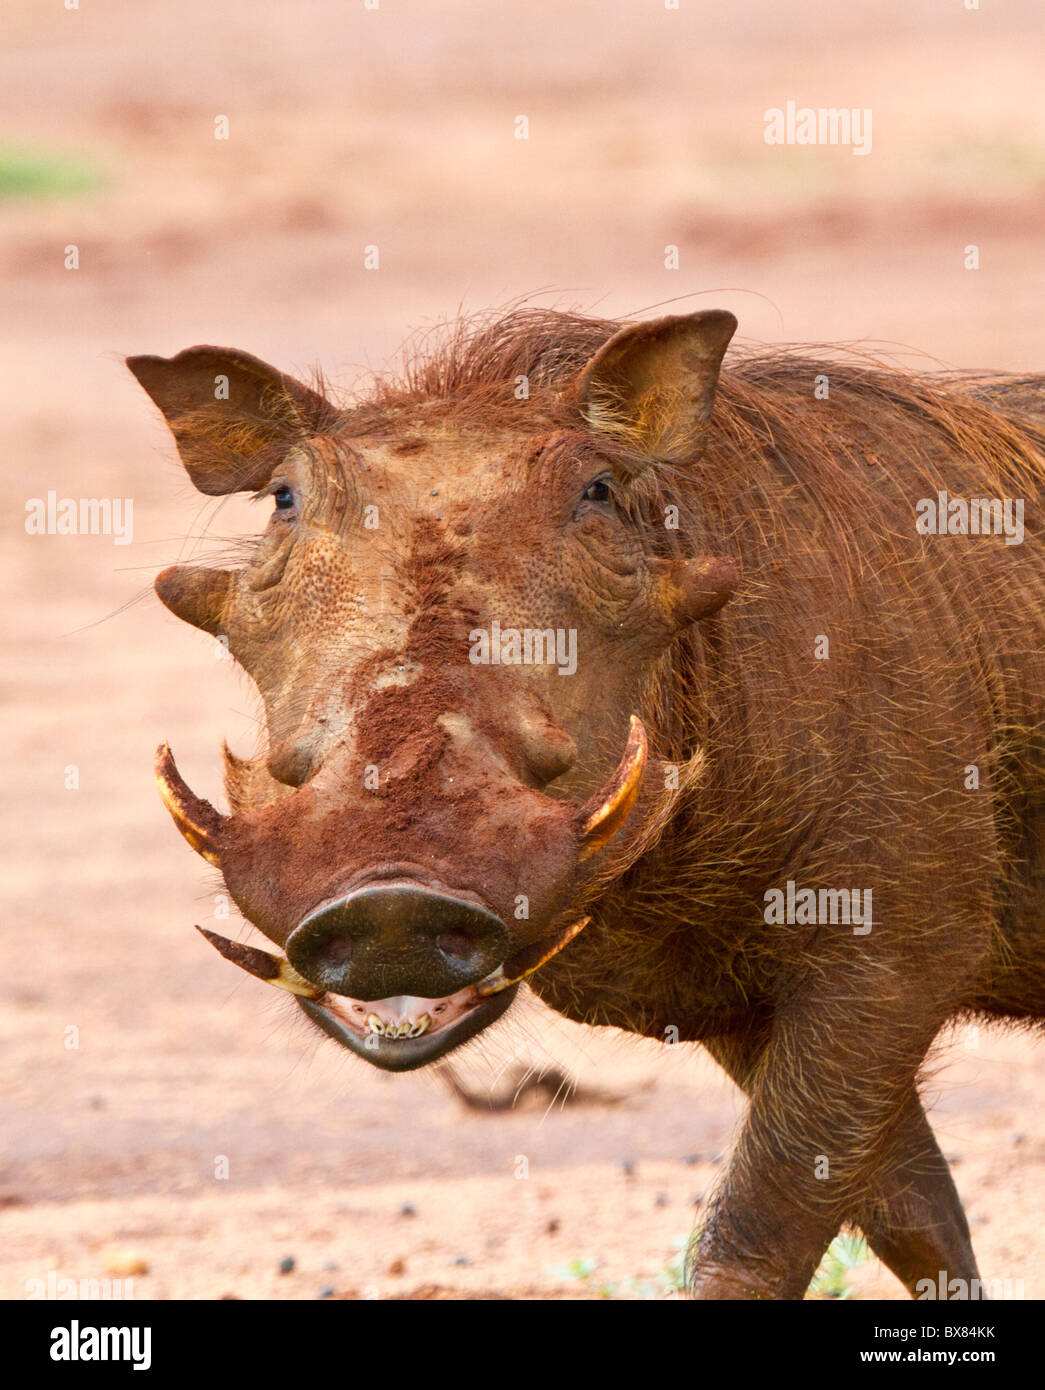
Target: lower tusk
{"x": 197, "y": 819}
{"x": 264, "y": 966}
{"x": 613, "y": 804}
{"x": 526, "y": 961}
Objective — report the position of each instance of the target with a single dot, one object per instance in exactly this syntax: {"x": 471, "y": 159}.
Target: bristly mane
{"x": 480, "y": 355}
{"x": 876, "y": 419}
{"x": 481, "y": 352}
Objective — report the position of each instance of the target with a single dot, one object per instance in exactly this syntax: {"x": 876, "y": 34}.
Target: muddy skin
{"x": 756, "y": 674}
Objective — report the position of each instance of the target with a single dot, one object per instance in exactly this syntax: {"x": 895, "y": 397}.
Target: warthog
{"x": 791, "y": 693}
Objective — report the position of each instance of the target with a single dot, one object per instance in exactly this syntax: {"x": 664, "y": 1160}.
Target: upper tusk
{"x": 197, "y": 819}
{"x": 274, "y": 970}
{"x": 607, "y": 811}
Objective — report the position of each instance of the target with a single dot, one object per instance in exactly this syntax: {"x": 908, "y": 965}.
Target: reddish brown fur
{"x": 846, "y": 772}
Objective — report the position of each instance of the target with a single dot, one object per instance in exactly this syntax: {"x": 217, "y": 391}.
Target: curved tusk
{"x": 607, "y": 811}
{"x": 526, "y": 961}
{"x": 197, "y": 819}
{"x": 272, "y": 969}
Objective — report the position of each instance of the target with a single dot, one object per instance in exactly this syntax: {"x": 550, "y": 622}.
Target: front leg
{"x": 830, "y": 1081}
{"x": 913, "y": 1218}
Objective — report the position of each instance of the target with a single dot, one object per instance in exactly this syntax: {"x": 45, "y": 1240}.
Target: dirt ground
{"x": 136, "y": 1061}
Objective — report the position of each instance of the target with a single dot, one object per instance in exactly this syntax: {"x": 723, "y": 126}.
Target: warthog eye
{"x": 599, "y": 491}
{"x": 284, "y": 499}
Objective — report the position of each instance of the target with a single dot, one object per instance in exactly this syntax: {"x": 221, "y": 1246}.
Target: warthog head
{"x": 458, "y": 618}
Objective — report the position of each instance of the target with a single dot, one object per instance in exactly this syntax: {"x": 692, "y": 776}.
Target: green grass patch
{"x": 29, "y": 173}
{"x": 832, "y": 1278}
{"x": 666, "y": 1283}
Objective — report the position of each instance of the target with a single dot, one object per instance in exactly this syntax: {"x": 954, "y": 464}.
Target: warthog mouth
{"x": 406, "y": 1031}
{"x": 401, "y": 1032}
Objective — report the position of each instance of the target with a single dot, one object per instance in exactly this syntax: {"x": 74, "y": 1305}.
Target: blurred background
{"x": 135, "y": 1059}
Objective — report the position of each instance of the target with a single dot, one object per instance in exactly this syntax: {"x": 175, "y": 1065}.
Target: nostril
{"x": 457, "y": 943}
{"x": 337, "y": 950}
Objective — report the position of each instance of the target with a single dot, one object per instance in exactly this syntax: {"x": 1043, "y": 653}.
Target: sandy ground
{"x": 351, "y": 128}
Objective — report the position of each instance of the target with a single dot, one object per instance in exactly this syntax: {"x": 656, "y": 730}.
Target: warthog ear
{"x": 653, "y": 384}
{"x": 233, "y": 416}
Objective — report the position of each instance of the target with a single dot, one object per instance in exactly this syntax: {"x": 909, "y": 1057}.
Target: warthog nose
{"x": 397, "y": 938}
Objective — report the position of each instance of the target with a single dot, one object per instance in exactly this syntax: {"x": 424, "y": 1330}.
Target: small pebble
{"x": 397, "y": 1267}
{"x": 553, "y": 1226}
{"x": 691, "y": 1160}
{"x": 327, "y": 1291}
{"x": 286, "y": 1264}
{"x": 123, "y": 1264}
{"x": 408, "y": 1209}
{"x": 628, "y": 1167}
{"x": 462, "y": 1260}
{"x": 661, "y": 1199}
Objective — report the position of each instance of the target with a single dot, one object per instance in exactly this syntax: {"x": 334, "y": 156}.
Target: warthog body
{"x": 823, "y": 839}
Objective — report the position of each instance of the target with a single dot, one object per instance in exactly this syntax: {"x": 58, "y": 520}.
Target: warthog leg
{"x": 913, "y": 1219}
{"x": 915, "y": 1223}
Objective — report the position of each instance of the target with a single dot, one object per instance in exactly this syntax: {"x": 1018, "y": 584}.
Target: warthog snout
{"x": 398, "y": 938}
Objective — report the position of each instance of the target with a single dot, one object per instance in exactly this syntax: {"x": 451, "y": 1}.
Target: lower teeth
{"x": 407, "y": 1028}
